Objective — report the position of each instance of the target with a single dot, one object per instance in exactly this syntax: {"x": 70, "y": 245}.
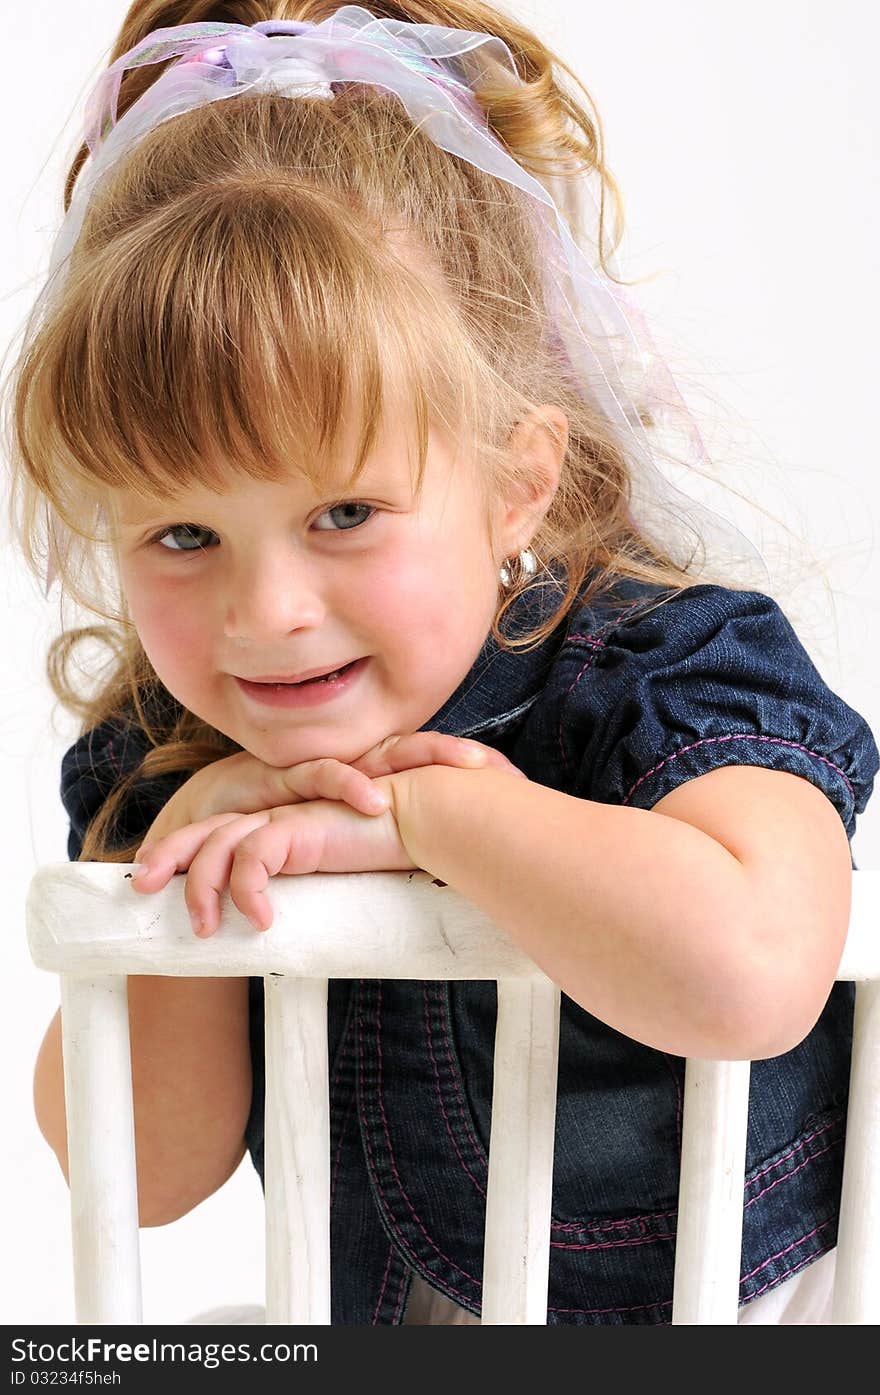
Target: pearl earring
{"x": 527, "y": 566}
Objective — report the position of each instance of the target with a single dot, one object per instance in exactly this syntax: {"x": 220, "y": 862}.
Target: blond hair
{"x": 246, "y": 276}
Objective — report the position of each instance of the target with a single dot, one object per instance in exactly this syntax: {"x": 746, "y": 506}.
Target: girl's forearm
{"x": 642, "y": 919}
{"x": 191, "y": 1083}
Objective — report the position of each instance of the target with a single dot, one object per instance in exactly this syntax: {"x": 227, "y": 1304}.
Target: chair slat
{"x": 857, "y": 1266}
{"x": 100, "y": 1148}
{"x": 708, "y": 1241}
{"x": 517, "y": 1247}
{"x": 297, "y": 1151}
{"x": 860, "y": 960}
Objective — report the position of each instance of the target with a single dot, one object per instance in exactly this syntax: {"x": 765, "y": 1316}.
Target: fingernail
{"x": 198, "y": 924}
{"x": 377, "y": 800}
{"x": 139, "y": 869}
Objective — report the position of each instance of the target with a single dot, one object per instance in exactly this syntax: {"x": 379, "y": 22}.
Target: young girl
{"x": 305, "y": 251}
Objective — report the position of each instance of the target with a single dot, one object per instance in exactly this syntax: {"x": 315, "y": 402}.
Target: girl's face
{"x": 271, "y": 579}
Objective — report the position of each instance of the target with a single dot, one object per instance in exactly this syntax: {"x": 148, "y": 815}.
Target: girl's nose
{"x": 272, "y": 596}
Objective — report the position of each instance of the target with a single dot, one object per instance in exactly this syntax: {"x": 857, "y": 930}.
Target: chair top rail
{"x": 86, "y": 918}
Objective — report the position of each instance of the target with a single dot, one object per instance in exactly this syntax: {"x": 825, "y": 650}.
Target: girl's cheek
{"x": 172, "y": 634}
{"x": 167, "y": 627}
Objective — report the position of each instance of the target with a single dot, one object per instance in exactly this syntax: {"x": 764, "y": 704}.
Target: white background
{"x": 744, "y": 140}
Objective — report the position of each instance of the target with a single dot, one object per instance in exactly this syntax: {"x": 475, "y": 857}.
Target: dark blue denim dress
{"x": 619, "y": 706}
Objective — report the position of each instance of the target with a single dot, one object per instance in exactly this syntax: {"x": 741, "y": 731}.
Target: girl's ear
{"x": 540, "y": 440}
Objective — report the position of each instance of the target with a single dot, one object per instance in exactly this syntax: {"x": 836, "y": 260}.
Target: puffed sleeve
{"x": 711, "y": 677}
{"x": 93, "y": 766}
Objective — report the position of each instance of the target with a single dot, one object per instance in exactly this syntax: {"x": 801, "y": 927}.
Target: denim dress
{"x": 619, "y": 704}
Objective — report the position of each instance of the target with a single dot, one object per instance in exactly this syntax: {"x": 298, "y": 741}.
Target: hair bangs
{"x": 248, "y": 332}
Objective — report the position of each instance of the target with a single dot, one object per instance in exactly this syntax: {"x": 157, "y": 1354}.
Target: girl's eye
{"x": 188, "y": 534}
{"x": 344, "y": 511}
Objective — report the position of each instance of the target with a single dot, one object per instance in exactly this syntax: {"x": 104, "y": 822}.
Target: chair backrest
{"x": 87, "y": 924}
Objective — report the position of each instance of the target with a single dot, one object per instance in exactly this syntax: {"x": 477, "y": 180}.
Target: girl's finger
{"x": 407, "y": 751}
{"x": 210, "y": 871}
{"x": 282, "y": 845}
{"x": 330, "y": 779}
{"x": 324, "y": 779}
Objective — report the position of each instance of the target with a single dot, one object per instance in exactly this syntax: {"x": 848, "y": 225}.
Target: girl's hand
{"x": 244, "y": 851}
{"x": 243, "y": 784}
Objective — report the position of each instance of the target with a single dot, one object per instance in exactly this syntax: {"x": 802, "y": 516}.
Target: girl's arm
{"x": 191, "y": 1083}
{"x": 714, "y": 931}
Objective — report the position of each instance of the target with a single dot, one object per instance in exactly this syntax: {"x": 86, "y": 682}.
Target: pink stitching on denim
{"x": 599, "y": 640}
{"x": 577, "y": 678}
{"x": 780, "y": 1253}
{"x": 633, "y": 1308}
{"x": 616, "y": 1225}
{"x": 384, "y": 1282}
{"x": 391, "y": 1219}
{"x": 609, "y": 1225}
{"x": 797, "y": 1148}
{"x": 457, "y": 1082}
{"x": 612, "y": 1244}
{"x": 399, "y": 1304}
{"x": 588, "y": 663}
{"x": 664, "y": 1303}
{"x": 465, "y": 1168}
{"x": 740, "y": 736}
{"x": 793, "y": 1173}
{"x": 774, "y": 1283}
{"x": 611, "y": 624}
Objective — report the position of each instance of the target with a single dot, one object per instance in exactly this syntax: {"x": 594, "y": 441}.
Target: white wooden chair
{"x": 87, "y": 924}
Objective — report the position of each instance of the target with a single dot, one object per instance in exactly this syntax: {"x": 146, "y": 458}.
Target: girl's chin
{"x": 282, "y": 756}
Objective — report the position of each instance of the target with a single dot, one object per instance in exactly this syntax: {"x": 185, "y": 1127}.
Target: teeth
{"x": 324, "y": 678}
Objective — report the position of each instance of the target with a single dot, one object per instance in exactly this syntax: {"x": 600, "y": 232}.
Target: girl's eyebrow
{"x": 143, "y": 520}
